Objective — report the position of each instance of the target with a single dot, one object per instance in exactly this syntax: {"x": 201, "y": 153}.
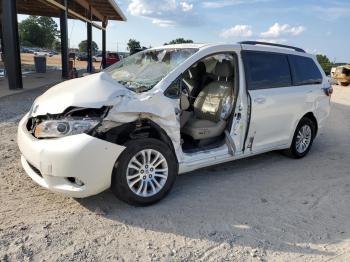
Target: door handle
{"x": 260, "y": 100}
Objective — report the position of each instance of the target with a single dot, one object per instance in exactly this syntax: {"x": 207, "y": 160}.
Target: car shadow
{"x": 268, "y": 201}
{"x": 246, "y": 203}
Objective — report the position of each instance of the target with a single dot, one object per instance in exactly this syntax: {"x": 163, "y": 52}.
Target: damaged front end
{"x": 120, "y": 133}
{"x": 101, "y": 107}
{"x": 73, "y": 121}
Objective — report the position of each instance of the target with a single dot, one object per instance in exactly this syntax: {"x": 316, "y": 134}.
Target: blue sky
{"x": 318, "y": 26}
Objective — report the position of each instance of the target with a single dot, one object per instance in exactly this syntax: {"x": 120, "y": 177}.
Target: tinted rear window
{"x": 304, "y": 71}
{"x": 266, "y": 70}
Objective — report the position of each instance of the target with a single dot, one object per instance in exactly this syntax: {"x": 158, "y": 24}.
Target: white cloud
{"x": 163, "y": 23}
{"x": 237, "y": 31}
{"x": 225, "y": 3}
{"x": 186, "y": 6}
{"x": 273, "y": 41}
{"x": 276, "y": 30}
{"x": 163, "y": 12}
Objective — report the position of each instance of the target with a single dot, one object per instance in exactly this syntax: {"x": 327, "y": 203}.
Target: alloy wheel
{"x": 303, "y": 139}
{"x": 147, "y": 172}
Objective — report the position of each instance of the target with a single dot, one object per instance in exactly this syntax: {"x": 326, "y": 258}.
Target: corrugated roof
{"x": 101, "y": 9}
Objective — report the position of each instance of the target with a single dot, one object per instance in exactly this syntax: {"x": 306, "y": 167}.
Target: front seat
{"x": 213, "y": 105}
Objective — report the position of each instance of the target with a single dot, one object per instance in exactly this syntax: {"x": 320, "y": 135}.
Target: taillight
{"x": 328, "y": 90}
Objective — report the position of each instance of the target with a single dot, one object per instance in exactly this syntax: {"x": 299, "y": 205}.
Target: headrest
{"x": 224, "y": 69}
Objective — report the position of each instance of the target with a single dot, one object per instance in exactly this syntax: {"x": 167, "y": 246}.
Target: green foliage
{"x": 179, "y": 41}
{"x": 38, "y": 31}
{"x": 133, "y": 45}
{"x": 83, "y": 46}
{"x": 325, "y": 63}
{"x": 57, "y": 45}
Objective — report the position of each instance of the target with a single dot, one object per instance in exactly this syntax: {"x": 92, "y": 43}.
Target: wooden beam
{"x": 71, "y": 12}
{"x": 94, "y": 12}
{"x": 117, "y": 9}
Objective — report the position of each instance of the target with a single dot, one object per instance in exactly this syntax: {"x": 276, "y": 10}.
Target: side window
{"x": 173, "y": 91}
{"x": 266, "y": 70}
{"x": 304, "y": 71}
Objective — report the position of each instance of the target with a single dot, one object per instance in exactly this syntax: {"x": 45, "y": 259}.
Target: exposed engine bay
{"x": 72, "y": 121}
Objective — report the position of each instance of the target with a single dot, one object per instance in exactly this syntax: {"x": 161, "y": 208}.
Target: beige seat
{"x": 212, "y": 106}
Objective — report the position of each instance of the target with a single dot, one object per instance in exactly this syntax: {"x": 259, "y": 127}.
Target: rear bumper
{"x": 51, "y": 162}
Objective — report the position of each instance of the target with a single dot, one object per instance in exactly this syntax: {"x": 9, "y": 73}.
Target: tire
{"x": 127, "y": 181}
{"x": 297, "y": 150}
{"x": 344, "y": 84}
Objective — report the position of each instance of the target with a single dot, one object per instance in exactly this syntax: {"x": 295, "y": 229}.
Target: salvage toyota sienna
{"x": 170, "y": 110}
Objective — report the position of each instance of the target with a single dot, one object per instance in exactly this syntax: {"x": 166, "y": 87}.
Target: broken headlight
{"x": 63, "y": 127}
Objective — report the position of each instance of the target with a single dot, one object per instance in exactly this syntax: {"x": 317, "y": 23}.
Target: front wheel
{"x": 303, "y": 138}
{"x": 145, "y": 172}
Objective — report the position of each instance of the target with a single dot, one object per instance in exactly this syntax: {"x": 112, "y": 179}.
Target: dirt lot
{"x": 265, "y": 208}
{"x": 55, "y": 61}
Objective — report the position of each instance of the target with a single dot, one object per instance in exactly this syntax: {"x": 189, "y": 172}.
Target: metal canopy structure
{"x": 101, "y": 9}
{"x": 95, "y": 13}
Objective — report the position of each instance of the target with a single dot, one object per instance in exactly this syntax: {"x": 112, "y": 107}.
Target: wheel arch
{"x": 312, "y": 117}
{"x": 141, "y": 128}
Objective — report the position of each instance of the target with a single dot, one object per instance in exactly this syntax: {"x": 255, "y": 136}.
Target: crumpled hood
{"x": 99, "y": 90}
{"x": 93, "y": 91}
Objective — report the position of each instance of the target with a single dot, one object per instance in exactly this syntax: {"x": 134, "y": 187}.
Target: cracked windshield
{"x": 142, "y": 71}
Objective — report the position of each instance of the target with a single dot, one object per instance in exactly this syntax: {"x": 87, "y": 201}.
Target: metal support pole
{"x": 104, "y": 62}
{"x": 64, "y": 41}
{"x": 11, "y": 45}
{"x": 89, "y": 44}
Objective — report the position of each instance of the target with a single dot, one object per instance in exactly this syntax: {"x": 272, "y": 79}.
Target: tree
{"x": 133, "y": 46}
{"x": 179, "y": 41}
{"x": 325, "y": 63}
{"x": 83, "y": 46}
{"x": 49, "y": 26}
{"x": 57, "y": 46}
{"x": 38, "y": 31}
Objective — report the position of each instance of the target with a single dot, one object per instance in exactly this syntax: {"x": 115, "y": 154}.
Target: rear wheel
{"x": 303, "y": 138}
{"x": 145, "y": 172}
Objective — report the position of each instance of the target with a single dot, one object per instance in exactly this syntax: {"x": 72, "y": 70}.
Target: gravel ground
{"x": 265, "y": 208}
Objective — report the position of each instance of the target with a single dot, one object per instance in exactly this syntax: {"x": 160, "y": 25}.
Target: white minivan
{"x": 170, "y": 110}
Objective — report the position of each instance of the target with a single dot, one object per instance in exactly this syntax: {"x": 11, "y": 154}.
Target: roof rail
{"x": 271, "y": 44}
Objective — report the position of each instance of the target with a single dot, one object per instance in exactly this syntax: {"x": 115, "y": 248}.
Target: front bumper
{"x": 51, "y": 162}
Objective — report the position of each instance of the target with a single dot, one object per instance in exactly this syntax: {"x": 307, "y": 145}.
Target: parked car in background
{"x": 26, "y": 50}
{"x": 173, "y": 109}
{"x": 342, "y": 75}
{"x": 97, "y": 58}
{"x": 43, "y": 53}
{"x": 82, "y": 57}
{"x": 112, "y": 58}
